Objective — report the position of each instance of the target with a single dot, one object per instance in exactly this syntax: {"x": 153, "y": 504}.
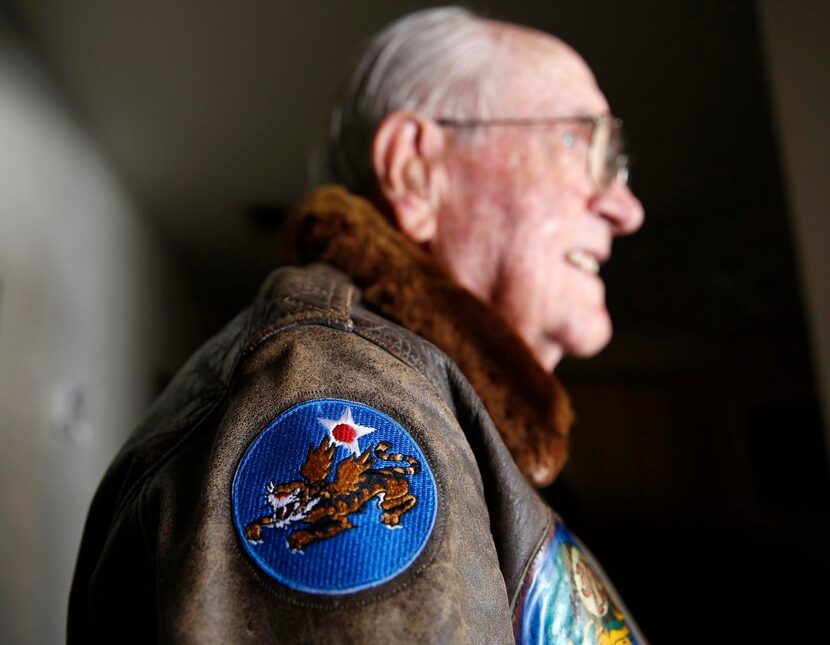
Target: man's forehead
{"x": 544, "y": 73}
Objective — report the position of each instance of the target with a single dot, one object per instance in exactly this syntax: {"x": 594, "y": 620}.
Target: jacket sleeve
{"x": 330, "y": 497}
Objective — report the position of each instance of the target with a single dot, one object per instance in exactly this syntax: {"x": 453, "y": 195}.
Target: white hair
{"x": 437, "y": 62}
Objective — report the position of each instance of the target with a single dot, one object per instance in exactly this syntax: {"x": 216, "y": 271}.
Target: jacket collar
{"x": 400, "y": 280}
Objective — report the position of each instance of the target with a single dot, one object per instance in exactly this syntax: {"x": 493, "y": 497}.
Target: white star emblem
{"x": 344, "y": 431}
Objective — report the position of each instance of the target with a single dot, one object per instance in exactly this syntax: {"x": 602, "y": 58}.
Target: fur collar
{"x": 401, "y": 281}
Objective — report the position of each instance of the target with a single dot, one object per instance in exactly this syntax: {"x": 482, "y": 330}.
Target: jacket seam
{"x": 531, "y": 560}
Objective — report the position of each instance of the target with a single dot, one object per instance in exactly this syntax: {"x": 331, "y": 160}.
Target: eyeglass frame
{"x": 616, "y": 168}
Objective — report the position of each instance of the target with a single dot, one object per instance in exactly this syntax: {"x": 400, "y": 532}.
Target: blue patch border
{"x": 265, "y": 567}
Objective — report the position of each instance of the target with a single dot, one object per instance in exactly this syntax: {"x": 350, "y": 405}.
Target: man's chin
{"x": 549, "y": 356}
{"x": 581, "y": 339}
{"x": 590, "y": 338}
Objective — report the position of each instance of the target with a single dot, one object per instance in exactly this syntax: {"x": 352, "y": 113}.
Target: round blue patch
{"x": 334, "y": 497}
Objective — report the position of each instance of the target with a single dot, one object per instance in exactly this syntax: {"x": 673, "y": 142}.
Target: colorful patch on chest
{"x": 565, "y": 601}
{"x": 333, "y": 497}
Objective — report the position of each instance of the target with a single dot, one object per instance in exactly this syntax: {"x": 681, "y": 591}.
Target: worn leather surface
{"x": 160, "y": 560}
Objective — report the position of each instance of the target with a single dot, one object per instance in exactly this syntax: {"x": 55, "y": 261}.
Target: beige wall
{"x": 88, "y": 304}
{"x": 798, "y": 57}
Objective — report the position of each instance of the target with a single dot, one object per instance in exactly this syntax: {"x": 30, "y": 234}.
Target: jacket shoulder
{"x": 305, "y": 341}
{"x": 291, "y": 297}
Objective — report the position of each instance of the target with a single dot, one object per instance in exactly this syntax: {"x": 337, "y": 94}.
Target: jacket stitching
{"x": 531, "y": 560}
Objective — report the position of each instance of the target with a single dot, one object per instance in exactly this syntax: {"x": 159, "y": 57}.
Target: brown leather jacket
{"x": 161, "y": 559}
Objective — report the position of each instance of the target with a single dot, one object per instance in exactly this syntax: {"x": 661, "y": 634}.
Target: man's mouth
{"x": 583, "y": 260}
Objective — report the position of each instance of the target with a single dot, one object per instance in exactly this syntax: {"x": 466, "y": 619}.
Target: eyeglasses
{"x": 607, "y": 161}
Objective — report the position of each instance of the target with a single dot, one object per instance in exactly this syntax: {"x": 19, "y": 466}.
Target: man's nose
{"x": 621, "y": 208}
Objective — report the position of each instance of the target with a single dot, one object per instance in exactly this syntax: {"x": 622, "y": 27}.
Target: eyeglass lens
{"x": 607, "y": 162}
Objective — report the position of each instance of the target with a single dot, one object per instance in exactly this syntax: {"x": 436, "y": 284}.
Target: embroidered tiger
{"x": 325, "y": 506}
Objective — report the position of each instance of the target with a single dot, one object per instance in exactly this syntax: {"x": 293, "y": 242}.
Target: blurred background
{"x": 149, "y": 150}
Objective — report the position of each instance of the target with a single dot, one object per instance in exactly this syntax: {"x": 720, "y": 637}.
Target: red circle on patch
{"x": 343, "y": 432}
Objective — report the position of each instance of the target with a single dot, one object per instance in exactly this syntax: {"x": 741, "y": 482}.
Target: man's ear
{"x": 408, "y": 159}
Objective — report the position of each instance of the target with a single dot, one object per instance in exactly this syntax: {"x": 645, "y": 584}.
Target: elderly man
{"x": 353, "y": 458}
